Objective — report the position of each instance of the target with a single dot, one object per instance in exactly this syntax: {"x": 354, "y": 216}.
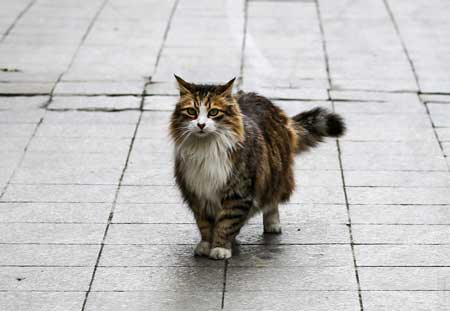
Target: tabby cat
{"x": 234, "y": 158}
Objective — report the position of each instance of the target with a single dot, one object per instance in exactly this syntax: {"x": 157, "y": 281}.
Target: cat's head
{"x": 206, "y": 112}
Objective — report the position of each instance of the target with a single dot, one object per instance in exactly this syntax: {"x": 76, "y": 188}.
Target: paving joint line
{"x": 16, "y": 20}
{"x": 324, "y": 47}
{"x": 349, "y": 225}
{"x": 402, "y": 42}
{"x": 240, "y": 79}
{"x": 22, "y": 157}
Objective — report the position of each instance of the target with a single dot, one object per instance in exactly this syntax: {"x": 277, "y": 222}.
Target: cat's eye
{"x": 191, "y": 111}
{"x": 213, "y": 112}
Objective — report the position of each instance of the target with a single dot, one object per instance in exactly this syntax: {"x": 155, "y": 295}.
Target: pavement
{"x": 89, "y": 215}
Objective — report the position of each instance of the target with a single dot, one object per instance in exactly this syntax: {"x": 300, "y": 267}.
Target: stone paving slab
{"x": 158, "y": 278}
{"x": 156, "y": 300}
{"x": 48, "y": 255}
{"x": 406, "y": 300}
{"x": 54, "y": 212}
{"x": 45, "y": 278}
{"x": 282, "y": 300}
{"x": 404, "y": 278}
{"x": 41, "y": 301}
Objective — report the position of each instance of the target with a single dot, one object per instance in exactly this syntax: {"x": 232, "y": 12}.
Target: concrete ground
{"x": 89, "y": 215}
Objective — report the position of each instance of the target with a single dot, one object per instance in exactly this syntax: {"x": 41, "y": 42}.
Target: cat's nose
{"x": 201, "y": 125}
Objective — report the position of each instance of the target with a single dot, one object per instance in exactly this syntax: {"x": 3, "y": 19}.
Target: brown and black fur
{"x": 262, "y": 158}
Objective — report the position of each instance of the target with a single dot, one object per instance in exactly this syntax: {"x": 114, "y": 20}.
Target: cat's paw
{"x": 202, "y": 249}
{"x": 272, "y": 228}
{"x": 220, "y": 253}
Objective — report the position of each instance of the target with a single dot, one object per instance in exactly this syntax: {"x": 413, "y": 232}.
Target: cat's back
{"x": 261, "y": 110}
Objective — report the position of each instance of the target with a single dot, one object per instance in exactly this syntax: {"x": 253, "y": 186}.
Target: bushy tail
{"x": 313, "y": 125}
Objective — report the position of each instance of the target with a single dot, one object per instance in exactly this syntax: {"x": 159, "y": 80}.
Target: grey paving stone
{"x": 78, "y": 145}
{"x": 292, "y": 256}
{"x": 153, "y": 256}
{"x": 164, "y": 103}
{"x": 83, "y": 117}
{"x": 13, "y": 144}
{"x": 19, "y": 88}
{"x": 22, "y": 103}
{"x": 388, "y": 121}
{"x": 51, "y": 233}
{"x": 426, "y": 147}
{"x": 100, "y": 88}
{"x": 440, "y": 114}
{"x": 292, "y": 278}
{"x": 71, "y": 160}
{"x": 152, "y": 213}
{"x": 45, "y": 278}
{"x": 317, "y": 194}
{"x": 396, "y": 103}
{"x": 13, "y": 117}
{"x": 291, "y": 300}
{"x": 158, "y": 278}
{"x": 63, "y": 174}
{"x": 48, "y": 255}
{"x": 316, "y": 160}
{"x": 443, "y": 134}
{"x": 435, "y": 98}
{"x": 380, "y": 133}
{"x": 42, "y": 301}
{"x": 54, "y": 212}
{"x": 118, "y": 130}
{"x": 357, "y": 195}
{"x": 401, "y": 234}
{"x": 296, "y": 234}
{"x": 404, "y": 278}
{"x": 60, "y": 193}
{"x": 16, "y": 130}
{"x": 137, "y": 173}
{"x": 162, "y": 88}
{"x": 387, "y": 162}
{"x": 406, "y": 300}
{"x": 400, "y": 214}
{"x": 402, "y": 255}
{"x": 149, "y": 194}
{"x": 446, "y": 147}
{"x": 95, "y": 102}
{"x": 397, "y": 178}
{"x": 155, "y": 300}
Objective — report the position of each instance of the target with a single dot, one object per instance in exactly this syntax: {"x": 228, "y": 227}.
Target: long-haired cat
{"x": 234, "y": 158}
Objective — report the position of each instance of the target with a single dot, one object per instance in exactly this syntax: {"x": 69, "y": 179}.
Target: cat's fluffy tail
{"x": 315, "y": 124}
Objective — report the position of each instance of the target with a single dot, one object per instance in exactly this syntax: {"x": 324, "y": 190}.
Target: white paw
{"x": 220, "y": 253}
{"x": 202, "y": 249}
{"x": 272, "y": 228}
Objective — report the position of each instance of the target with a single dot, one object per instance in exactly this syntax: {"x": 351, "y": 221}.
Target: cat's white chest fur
{"x": 206, "y": 165}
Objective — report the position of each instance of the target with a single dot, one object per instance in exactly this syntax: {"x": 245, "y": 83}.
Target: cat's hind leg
{"x": 271, "y": 219}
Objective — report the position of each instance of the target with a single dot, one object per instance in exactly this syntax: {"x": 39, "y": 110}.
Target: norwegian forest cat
{"x": 234, "y": 158}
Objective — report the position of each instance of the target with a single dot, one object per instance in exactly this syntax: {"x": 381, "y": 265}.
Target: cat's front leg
{"x": 205, "y": 226}
{"x": 229, "y": 222}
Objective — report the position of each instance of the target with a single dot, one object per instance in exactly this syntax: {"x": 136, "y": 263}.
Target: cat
{"x": 234, "y": 157}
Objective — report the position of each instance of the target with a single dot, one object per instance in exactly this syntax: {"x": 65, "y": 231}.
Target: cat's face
{"x": 205, "y": 112}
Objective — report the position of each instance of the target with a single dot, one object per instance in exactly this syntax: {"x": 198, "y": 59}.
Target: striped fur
{"x": 234, "y": 158}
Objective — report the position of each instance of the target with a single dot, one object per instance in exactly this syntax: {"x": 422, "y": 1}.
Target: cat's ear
{"x": 185, "y": 87}
{"x": 226, "y": 89}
